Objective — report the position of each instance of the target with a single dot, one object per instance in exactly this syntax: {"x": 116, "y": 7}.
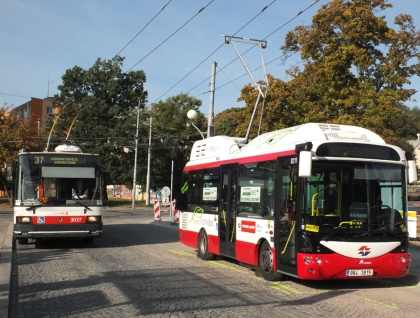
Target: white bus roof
{"x": 220, "y": 148}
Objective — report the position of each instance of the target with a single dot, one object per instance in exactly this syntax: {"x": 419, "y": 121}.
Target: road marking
{"x": 285, "y": 289}
{"x": 183, "y": 253}
{"x": 378, "y": 303}
{"x": 215, "y": 263}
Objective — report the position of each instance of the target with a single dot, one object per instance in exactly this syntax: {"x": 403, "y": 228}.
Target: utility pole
{"x": 133, "y": 204}
{"x": 149, "y": 153}
{"x": 210, "y": 123}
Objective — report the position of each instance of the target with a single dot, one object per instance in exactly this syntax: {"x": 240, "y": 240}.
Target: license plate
{"x": 359, "y": 272}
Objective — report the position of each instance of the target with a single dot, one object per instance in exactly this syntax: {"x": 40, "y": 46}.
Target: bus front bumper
{"x": 52, "y": 230}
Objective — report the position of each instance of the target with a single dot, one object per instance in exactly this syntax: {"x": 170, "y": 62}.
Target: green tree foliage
{"x": 354, "y": 71}
{"x": 414, "y": 114}
{"x": 355, "y": 66}
{"x": 173, "y": 137}
{"x": 227, "y": 122}
{"x": 97, "y": 113}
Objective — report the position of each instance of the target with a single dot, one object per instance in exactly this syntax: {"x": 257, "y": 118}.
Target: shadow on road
{"x": 115, "y": 235}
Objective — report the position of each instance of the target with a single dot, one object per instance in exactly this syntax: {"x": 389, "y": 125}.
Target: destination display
{"x": 57, "y": 159}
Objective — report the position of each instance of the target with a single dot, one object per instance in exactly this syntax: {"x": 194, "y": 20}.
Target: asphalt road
{"x": 139, "y": 269}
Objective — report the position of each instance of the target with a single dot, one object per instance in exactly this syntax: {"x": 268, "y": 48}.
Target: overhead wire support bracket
{"x": 262, "y": 44}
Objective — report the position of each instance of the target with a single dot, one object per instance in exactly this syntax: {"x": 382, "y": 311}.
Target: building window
{"x": 49, "y": 110}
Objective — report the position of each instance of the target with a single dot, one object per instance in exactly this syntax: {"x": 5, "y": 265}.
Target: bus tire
{"x": 203, "y": 247}
{"x": 266, "y": 263}
{"x": 22, "y": 241}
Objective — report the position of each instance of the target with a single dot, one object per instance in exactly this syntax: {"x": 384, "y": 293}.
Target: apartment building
{"x": 35, "y": 112}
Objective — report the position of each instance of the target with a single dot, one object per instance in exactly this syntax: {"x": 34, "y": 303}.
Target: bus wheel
{"x": 203, "y": 247}
{"x": 265, "y": 263}
{"x": 88, "y": 239}
{"x": 22, "y": 241}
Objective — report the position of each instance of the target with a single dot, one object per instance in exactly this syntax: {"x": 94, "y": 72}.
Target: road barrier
{"x": 157, "y": 211}
{"x": 175, "y": 213}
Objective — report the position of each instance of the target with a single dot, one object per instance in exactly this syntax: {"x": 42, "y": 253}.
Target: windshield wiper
{"x": 337, "y": 230}
{"x": 385, "y": 229}
{"x": 85, "y": 206}
{"x": 34, "y": 207}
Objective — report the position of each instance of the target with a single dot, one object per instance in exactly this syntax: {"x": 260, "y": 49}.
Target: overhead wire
{"x": 14, "y": 95}
{"x": 202, "y": 9}
{"x": 143, "y": 29}
{"x": 213, "y": 52}
{"x": 282, "y": 26}
{"x": 243, "y": 75}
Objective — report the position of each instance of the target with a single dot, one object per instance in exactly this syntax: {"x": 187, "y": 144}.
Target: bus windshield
{"x": 59, "y": 185}
{"x": 354, "y": 198}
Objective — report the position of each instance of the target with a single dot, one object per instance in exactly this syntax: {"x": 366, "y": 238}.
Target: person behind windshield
{"x": 79, "y": 192}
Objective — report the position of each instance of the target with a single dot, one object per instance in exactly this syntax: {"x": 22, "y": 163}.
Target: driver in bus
{"x": 80, "y": 191}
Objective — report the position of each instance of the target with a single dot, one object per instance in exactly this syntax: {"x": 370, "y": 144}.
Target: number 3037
{"x": 76, "y": 220}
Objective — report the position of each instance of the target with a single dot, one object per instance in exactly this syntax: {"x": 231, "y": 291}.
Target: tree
{"x": 355, "y": 66}
{"x": 14, "y": 136}
{"x": 97, "y": 112}
{"x": 173, "y": 138}
{"x": 227, "y": 122}
{"x": 354, "y": 71}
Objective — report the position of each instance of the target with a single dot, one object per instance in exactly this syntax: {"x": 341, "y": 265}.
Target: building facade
{"x": 35, "y": 112}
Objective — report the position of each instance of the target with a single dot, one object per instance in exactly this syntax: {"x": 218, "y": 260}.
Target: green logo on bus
{"x": 196, "y": 211}
{"x": 184, "y": 187}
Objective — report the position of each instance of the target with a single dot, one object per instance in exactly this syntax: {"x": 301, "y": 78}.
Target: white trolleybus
{"x": 315, "y": 201}
{"x": 48, "y": 202}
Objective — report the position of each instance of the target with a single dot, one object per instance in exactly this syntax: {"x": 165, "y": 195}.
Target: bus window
{"x": 256, "y": 189}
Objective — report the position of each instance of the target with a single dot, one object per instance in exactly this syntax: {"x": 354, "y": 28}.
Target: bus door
{"x": 227, "y": 210}
{"x": 285, "y": 216}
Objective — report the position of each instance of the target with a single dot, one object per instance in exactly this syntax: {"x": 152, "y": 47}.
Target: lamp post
{"x": 133, "y": 204}
{"x": 192, "y": 114}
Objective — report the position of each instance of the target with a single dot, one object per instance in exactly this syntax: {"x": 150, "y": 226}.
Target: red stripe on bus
{"x": 59, "y": 219}
{"x": 215, "y": 164}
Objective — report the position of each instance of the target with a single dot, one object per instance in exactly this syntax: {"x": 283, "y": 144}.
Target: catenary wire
{"x": 282, "y": 26}
{"x": 212, "y": 53}
{"x": 143, "y": 29}
{"x": 202, "y": 9}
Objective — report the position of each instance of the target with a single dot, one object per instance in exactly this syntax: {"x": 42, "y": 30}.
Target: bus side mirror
{"x": 305, "y": 164}
{"x": 9, "y": 174}
{"x": 305, "y": 159}
{"x": 411, "y": 171}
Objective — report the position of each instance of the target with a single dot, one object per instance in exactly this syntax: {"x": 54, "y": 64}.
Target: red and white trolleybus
{"x": 47, "y": 203}
{"x": 314, "y": 201}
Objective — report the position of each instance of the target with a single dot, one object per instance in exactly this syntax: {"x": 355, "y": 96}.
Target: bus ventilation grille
{"x": 328, "y": 127}
{"x": 200, "y": 151}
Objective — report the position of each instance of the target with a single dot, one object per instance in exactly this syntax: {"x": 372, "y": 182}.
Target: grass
{"x": 4, "y": 200}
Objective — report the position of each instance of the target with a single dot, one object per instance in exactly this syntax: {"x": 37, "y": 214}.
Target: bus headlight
{"x": 23, "y": 219}
{"x": 93, "y": 219}
{"x": 307, "y": 260}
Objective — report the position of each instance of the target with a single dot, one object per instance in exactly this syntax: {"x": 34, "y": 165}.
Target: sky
{"x": 174, "y": 46}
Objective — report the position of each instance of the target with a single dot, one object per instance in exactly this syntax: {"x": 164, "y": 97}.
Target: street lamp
{"x": 133, "y": 204}
{"x": 192, "y": 114}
